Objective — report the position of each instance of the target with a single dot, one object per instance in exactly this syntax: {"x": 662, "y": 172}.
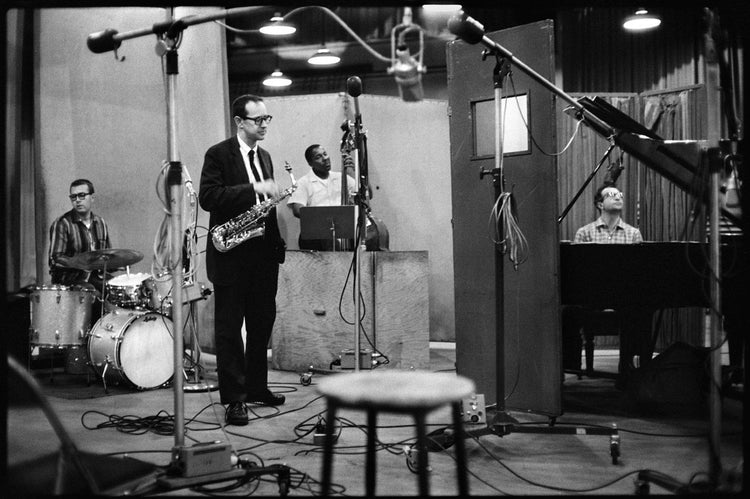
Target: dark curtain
{"x": 666, "y": 209}
{"x": 20, "y": 238}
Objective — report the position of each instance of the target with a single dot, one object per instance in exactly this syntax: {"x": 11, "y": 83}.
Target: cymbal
{"x": 111, "y": 258}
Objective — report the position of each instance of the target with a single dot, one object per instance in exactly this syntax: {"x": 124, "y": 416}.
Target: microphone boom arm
{"x": 468, "y": 29}
{"x": 110, "y": 39}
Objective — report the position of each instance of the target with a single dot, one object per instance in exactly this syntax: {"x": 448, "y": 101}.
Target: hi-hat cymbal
{"x": 109, "y": 258}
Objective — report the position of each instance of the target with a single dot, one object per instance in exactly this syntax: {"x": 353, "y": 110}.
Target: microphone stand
{"x": 472, "y": 32}
{"x": 360, "y": 200}
{"x": 169, "y": 33}
{"x": 502, "y": 422}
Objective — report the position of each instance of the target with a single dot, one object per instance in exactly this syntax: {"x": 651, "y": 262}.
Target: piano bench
{"x": 598, "y": 323}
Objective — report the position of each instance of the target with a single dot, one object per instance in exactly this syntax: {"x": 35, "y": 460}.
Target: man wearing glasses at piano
{"x": 609, "y": 228}
{"x": 634, "y": 323}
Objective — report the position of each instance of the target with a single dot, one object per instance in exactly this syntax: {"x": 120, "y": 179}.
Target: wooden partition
{"x": 507, "y": 315}
{"x": 315, "y": 308}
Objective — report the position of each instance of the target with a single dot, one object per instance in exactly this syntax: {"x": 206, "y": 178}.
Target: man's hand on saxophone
{"x": 267, "y": 187}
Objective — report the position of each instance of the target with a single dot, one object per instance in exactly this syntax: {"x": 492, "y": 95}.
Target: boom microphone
{"x": 102, "y": 41}
{"x": 466, "y": 27}
{"x": 354, "y": 86}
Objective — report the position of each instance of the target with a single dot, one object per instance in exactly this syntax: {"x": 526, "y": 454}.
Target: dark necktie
{"x": 258, "y": 176}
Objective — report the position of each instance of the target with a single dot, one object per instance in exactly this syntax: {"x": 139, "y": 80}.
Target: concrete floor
{"x": 136, "y": 424}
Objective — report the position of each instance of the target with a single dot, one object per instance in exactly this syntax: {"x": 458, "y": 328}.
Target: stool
{"x": 397, "y": 391}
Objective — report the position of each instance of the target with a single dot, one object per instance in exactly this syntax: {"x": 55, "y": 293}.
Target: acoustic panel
{"x": 507, "y": 315}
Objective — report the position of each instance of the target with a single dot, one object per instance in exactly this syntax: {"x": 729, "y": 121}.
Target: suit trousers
{"x": 243, "y": 372}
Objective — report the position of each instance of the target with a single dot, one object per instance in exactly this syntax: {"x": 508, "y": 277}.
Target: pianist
{"x": 634, "y": 323}
{"x": 609, "y": 228}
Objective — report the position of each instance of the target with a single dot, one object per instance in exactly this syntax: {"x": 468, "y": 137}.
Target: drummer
{"x": 77, "y": 231}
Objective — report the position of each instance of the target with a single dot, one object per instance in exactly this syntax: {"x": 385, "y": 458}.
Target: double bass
{"x": 376, "y": 232}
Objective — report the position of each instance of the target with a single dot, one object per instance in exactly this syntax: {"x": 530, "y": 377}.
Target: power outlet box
{"x": 347, "y": 359}
{"x": 319, "y": 434}
{"x": 204, "y": 458}
{"x": 473, "y": 410}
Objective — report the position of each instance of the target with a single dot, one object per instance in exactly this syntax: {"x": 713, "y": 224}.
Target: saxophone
{"x": 251, "y": 223}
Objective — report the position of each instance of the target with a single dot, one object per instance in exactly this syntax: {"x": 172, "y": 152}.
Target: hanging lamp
{"x": 642, "y": 20}
{"x": 277, "y": 27}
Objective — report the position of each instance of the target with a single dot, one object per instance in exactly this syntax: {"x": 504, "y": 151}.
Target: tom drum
{"x": 159, "y": 291}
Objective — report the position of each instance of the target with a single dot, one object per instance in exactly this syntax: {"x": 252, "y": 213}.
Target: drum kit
{"x": 132, "y": 342}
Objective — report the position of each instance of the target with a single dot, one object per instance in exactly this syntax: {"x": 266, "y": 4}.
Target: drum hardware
{"x": 193, "y": 293}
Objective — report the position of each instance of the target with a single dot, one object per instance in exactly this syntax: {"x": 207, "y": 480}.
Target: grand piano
{"x": 655, "y": 275}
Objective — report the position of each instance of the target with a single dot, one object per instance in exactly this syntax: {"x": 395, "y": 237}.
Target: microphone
{"x": 191, "y": 191}
{"x": 102, "y": 41}
{"x": 466, "y": 27}
{"x": 407, "y": 74}
{"x": 354, "y": 86}
{"x": 613, "y": 172}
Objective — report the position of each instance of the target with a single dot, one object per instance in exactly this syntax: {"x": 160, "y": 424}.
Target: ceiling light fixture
{"x": 277, "y": 79}
{"x": 441, "y": 7}
{"x": 323, "y": 57}
{"x": 642, "y": 20}
{"x": 277, "y": 27}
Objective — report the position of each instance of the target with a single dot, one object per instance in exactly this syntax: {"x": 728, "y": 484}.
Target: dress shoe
{"x": 267, "y": 398}
{"x": 236, "y": 414}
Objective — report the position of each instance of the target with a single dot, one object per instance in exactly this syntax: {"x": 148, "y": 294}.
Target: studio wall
{"x": 105, "y": 119}
{"x": 409, "y": 170}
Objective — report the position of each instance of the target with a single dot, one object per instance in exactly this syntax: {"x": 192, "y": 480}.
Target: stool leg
{"x": 328, "y": 450}
{"x": 458, "y": 426}
{"x": 424, "y": 484}
{"x": 589, "y": 347}
{"x": 370, "y": 458}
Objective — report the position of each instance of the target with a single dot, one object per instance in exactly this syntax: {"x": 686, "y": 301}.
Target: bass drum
{"x": 133, "y": 347}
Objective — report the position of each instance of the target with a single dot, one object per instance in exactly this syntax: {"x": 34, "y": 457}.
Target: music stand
{"x": 327, "y": 222}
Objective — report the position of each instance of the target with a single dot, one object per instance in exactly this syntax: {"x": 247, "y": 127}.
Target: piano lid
{"x": 679, "y": 161}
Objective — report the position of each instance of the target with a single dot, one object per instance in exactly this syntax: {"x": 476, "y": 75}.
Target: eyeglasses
{"x": 613, "y": 194}
{"x": 80, "y": 195}
{"x": 258, "y": 120}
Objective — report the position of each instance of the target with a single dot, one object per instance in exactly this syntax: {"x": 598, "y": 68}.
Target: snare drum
{"x": 134, "y": 347}
{"x": 159, "y": 291}
{"x": 128, "y": 290}
{"x": 60, "y": 315}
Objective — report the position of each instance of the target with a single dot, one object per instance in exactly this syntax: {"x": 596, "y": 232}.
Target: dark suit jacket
{"x": 225, "y": 192}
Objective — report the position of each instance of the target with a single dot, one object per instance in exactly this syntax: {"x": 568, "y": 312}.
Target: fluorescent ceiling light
{"x": 323, "y": 57}
{"x": 641, "y": 21}
{"x": 277, "y": 79}
{"x": 441, "y": 7}
{"x": 277, "y": 27}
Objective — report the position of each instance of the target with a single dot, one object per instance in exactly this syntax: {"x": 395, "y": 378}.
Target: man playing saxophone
{"x": 236, "y": 175}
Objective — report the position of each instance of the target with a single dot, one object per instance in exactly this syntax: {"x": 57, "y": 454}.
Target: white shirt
{"x": 315, "y": 191}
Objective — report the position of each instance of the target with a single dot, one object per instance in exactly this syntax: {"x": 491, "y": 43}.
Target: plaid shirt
{"x": 69, "y": 236}
{"x": 598, "y": 232}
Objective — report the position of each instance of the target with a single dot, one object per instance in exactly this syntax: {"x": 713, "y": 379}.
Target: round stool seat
{"x": 401, "y": 391}
{"x": 396, "y": 390}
